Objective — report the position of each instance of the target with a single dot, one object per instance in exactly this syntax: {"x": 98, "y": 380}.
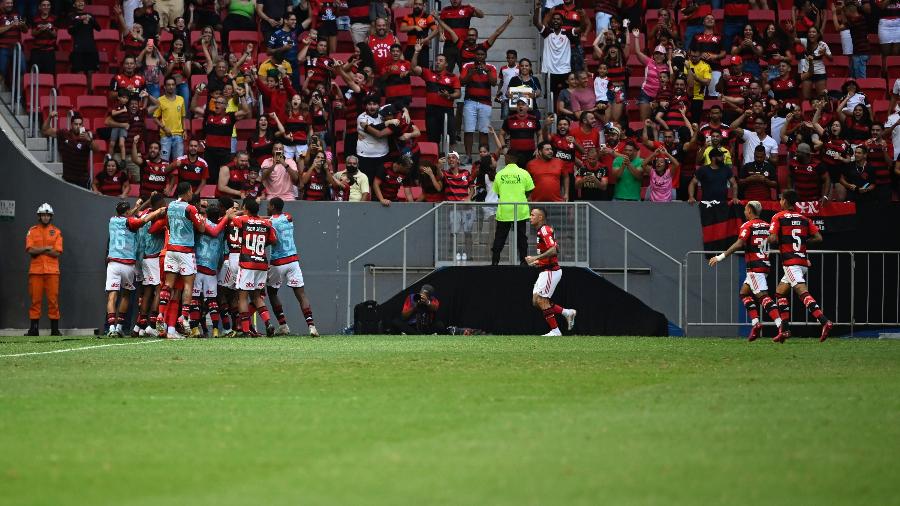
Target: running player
{"x": 256, "y": 234}
{"x": 753, "y": 237}
{"x": 792, "y": 231}
{"x": 151, "y": 238}
{"x": 550, "y": 274}
{"x": 120, "y": 262}
{"x": 210, "y": 248}
{"x": 285, "y": 269}
{"x": 179, "y": 262}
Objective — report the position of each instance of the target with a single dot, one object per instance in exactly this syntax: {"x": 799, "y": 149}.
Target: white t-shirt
{"x": 751, "y": 140}
{"x": 368, "y": 146}
{"x": 557, "y": 52}
{"x": 818, "y": 66}
{"x": 507, "y": 73}
{"x": 601, "y": 89}
{"x": 776, "y": 126}
{"x": 894, "y": 120}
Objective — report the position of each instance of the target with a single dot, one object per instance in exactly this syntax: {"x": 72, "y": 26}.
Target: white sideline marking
{"x": 78, "y": 348}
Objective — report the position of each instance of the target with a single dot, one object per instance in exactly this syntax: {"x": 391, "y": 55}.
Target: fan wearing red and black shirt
{"x": 43, "y": 29}
{"x": 380, "y": 43}
{"x": 191, "y": 168}
{"x": 420, "y": 27}
{"x": 522, "y": 129}
{"x": 389, "y": 181}
{"x": 317, "y": 178}
{"x": 879, "y": 157}
{"x": 442, "y": 88}
{"x": 757, "y": 179}
{"x": 394, "y": 79}
{"x": 256, "y": 233}
{"x": 127, "y": 80}
{"x": 753, "y": 238}
{"x": 455, "y": 19}
{"x": 468, "y": 46}
{"x": 547, "y": 261}
{"x": 111, "y": 181}
{"x": 12, "y": 26}
{"x": 712, "y": 49}
{"x": 153, "y": 169}
{"x": 786, "y": 87}
{"x": 317, "y": 63}
{"x": 548, "y": 175}
{"x": 276, "y": 90}
{"x": 565, "y": 147}
{"x": 792, "y": 231}
{"x": 218, "y": 126}
{"x": 809, "y": 179}
{"x": 478, "y": 78}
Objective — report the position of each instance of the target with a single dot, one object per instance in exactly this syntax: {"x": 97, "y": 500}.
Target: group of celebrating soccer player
{"x": 791, "y": 231}
{"x": 220, "y": 259}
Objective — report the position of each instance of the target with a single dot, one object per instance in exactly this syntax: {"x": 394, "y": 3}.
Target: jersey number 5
{"x": 256, "y": 244}
{"x": 798, "y": 241}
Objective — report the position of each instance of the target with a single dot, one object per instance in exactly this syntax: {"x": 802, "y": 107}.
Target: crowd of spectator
{"x": 630, "y": 100}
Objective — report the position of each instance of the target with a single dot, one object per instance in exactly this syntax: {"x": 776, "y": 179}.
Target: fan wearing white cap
{"x": 44, "y": 244}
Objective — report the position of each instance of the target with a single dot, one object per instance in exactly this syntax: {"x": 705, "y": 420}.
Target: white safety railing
{"x": 34, "y": 100}
{"x": 54, "y": 123}
{"x": 17, "y": 79}
{"x": 853, "y": 288}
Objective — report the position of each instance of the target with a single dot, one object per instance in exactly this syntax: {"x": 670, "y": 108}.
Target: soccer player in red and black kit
{"x": 550, "y": 275}
{"x": 256, "y": 234}
{"x": 792, "y": 231}
{"x": 753, "y": 238}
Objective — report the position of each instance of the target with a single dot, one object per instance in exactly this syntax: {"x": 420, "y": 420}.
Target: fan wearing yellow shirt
{"x": 699, "y": 74}
{"x": 169, "y": 116}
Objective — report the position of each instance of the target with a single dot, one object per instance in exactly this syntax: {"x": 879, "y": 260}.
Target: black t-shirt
{"x": 714, "y": 181}
{"x": 859, "y": 176}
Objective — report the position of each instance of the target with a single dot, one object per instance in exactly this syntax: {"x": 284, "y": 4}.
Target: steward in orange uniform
{"x": 44, "y": 243}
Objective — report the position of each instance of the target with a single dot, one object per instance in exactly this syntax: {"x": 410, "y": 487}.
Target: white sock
{"x": 171, "y": 330}
{"x": 754, "y": 321}
{"x": 778, "y": 322}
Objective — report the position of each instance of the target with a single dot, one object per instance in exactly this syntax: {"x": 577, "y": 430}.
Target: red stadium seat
{"x": 634, "y": 86}
{"x": 892, "y": 68}
{"x": 165, "y": 41}
{"x": 651, "y": 19}
{"x": 63, "y": 105}
{"x": 784, "y": 14}
{"x": 196, "y": 128}
{"x": 339, "y": 150}
{"x": 760, "y": 19}
{"x": 418, "y": 86}
{"x": 101, "y": 12}
{"x": 44, "y": 85}
{"x": 108, "y": 41}
{"x": 344, "y": 42}
{"x": 875, "y": 88}
{"x": 417, "y": 108}
{"x": 246, "y": 128}
{"x": 340, "y": 127}
{"x": 63, "y": 62}
{"x": 63, "y": 40}
{"x": 839, "y": 66}
{"x": 100, "y": 83}
{"x": 91, "y": 106}
{"x": 71, "y": 85}
{"x": 429, "y": 151}
{"x": 635, "y": 67}
{"x": 874, "y": 68}
{"x": 238, "y": 40}
{"x": 632, "y": 111}
{"x": 880, "y": 110}
{"x": 208, "y": 191}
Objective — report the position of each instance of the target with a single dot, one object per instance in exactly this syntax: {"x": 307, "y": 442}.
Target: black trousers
{"x": 451, "y": 52}
{"x": 434, "y": 123}
{"x": 436, "y": 327}
{"x": 371, "y": 167}
{"x": 503, "y": 228}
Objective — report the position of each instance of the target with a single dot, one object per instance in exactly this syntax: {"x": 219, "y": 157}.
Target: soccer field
{"x": 450, "y": 420}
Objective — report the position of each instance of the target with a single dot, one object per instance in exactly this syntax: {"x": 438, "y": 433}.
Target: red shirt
{"x": 546, "y": 241}
{"x": 132, "y": 83}
{"x": 396, "y": 79}
{"x": 318, "y": 71}
{"x": 111, "y": 185}
{"x": 315, "y": 187}
{"x": 547, "y": 176}
{"x": 192, "y": 171}
{"x": 434, "y": 83}
{"x": 237, "y": 178}
{"x": 381, "y": 50}
{"x": 793, "y": 231}
{"x": 458, "y": 18}
{"x": 153, "y": 177}
{"x": 479, "y": 87}
{"x": 587, "y": 140}
{"x": 256, "y": 233}
{"x": 565, "y": 151}
{"x": 521, "y": 132}
{"x": 456, "y": 186}
{"x": 218, "y": 129}
{"x": 390, "y": 183}
{"x": 755, "y": 234}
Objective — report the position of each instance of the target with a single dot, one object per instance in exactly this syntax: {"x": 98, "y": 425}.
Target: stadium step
{"x": 36, "y": 143}
{"x": 56, "y": 168}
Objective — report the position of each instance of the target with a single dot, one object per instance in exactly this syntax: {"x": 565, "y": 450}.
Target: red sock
{"x": 213, "y": 309}
{"x": 164, "y": 295}
{"x": 752, "y": 309}
{"x": 264, "y": 313}
{"x": 556, "y": 308}
{"x": 110, "y": 319}
{"x": 172, "y": 314}
{"x": 550, "y": 317}
{"x": 770, "y": 308}
{"x": 307, "y": 313}
{"x": 785, "y": 308}
{"x": 120, "y": 318}
{"x": 245, "y": 322}
{"x": 186, "y": 311}
{"x": 195, "y": 310}
{"x": 813, "y": 307}
{"x": 279, "y": 314}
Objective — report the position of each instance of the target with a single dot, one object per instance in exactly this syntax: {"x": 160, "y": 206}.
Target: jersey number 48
{"x": 256, "y": 244}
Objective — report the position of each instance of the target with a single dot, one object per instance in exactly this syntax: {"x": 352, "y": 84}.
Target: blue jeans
{"x": 732, "y": 29}
{"x": 689, "y": 33}
{"x": 171, "y": 147}
{"x": 858, "y": 66}
{"x": 185, "y": 91}
{"x": 6, "y": 60}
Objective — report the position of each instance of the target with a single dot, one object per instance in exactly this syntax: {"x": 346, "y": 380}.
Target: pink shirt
{"x": 279, "y": 183}
{"x": 661, "y": 186}
{"x": 651, "y": 77}
{"x": 583, "y": 99}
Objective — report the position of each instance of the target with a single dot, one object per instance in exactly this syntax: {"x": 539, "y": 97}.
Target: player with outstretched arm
{"x": 285, "y": 268}
{"x": 550, "y": 274}
{"x": 792, "y": 231}
{"x": 753, "y": 238}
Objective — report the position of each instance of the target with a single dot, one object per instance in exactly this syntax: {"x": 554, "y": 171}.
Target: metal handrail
{"x": 34, "y": 100}
{"x": 54, "y": 123}
{"x": 17, "y": 79}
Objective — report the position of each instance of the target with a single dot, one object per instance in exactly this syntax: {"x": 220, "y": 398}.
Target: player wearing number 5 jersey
{"x": 753, "y": 238}
{"x": 792, "y": 231}
{"x": 256, "y": 234}
{"x": 121, "y": 257}
{"x": 285, "y": 268}
{"x": 549, "y": 276}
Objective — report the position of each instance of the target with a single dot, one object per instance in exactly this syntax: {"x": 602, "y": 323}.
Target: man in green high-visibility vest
{"x": 512, "y": 184}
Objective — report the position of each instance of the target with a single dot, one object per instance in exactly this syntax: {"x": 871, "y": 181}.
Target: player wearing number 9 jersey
{"x": 286, "y": 268}
{"x": 256, "y": 234}
{"x": 753, "y": 238}
{"x": 792, "y": 231}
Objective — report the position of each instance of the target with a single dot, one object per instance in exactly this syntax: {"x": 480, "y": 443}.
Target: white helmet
{"x": 45, "y": 209}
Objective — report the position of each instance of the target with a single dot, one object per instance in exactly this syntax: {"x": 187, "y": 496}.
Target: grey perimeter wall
{"x": 328, "y": 235}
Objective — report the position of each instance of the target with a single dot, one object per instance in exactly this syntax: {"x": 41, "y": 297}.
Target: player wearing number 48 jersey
{"x": 549, "y": 276}
{"x": 792, "y": 231}
{"x": 285, "y": 268}
{"x": 753, "y": 238}
{"x": 256, "y": 235}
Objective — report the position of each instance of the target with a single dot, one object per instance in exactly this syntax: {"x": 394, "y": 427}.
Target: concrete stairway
{"x": 38, "y": 145}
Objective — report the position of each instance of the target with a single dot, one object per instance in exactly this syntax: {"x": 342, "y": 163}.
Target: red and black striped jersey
{"x": 131, "y": 83}
{"x": 807, "y": 179}
{"x": 793, "y": 231}
{"x": 467, "y": 53}
{"x": 296, "y": 129}
{"x": 256, "y": 234}
{"x": 153, "y": 177}
{"x": 237, "y": 177}
{"x": 260, "y": 148}
{"x": 737, "y": 10}
{"x": 755, "y": 234}
{"x": 218, "y": 129}
{"x": 192, "y": 171}
{"x": 358, "y": 11}
{"x": 572, "y": 18}
{"x": 396, "y": 80}
{"x": 10, "y": 37}
{"x": 479, "y": 87}
{"x": 44, "y": 32}
{"x": 111, "y": 184}
{"x": 521, "y": 132}
{"x": 709, "y": 43}
{"x": 316, "y": 186}
{"x": 456, "y": 186}
{"x": 832, "y": 150}
{"x": 458, "y": 18}
{"x": 318, "y": 70}
{"x": 545, "y": 241}
{"x": 435, "y": 82}
{"x": 786, "y": 89}
{"x": 877, "y": 161}
{"x": 391, "y": 182}
{"x": 736, "y": 84}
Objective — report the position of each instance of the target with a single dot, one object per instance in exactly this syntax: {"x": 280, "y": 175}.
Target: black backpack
{"x": 366, "y": 319}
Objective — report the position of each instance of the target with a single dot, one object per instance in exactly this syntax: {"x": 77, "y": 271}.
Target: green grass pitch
{"x": 450, "y": 420}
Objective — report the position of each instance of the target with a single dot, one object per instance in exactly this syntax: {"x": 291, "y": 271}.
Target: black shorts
{"x": 327, "y": 28}
{"x": 85, "y": 61}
